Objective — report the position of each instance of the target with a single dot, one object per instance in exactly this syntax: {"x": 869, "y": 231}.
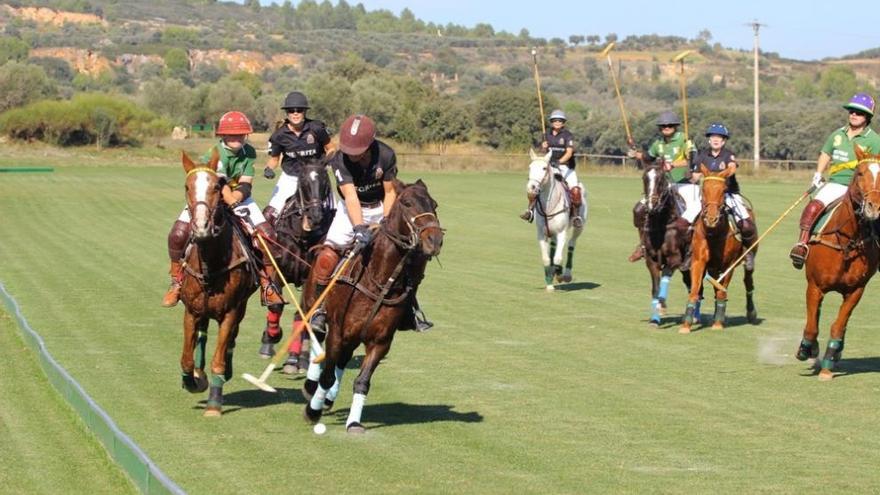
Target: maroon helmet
{"x": 357, "y": 134}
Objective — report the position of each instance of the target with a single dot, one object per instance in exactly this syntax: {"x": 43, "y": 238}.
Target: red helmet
{"x": 234, "y": 124}
{"x": 357, "y": 134}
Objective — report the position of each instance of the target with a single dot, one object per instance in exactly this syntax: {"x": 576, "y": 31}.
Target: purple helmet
{"x": 861, "y": 102}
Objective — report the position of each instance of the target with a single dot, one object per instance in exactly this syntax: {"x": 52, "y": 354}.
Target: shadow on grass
{"x": 254, "y": 398}
{"x": 848, "y": 367}
{"x": 398, "y": 413}
{"x": 577, "y": 286}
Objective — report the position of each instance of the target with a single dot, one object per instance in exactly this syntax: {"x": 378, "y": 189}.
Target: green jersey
{"x": 841, "y": 149}
{"x": 675, "y": 150}
{"x": 233, "y": 165}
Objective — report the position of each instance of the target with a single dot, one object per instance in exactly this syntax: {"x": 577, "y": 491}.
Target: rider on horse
{"x": 716, "y": 159}
{"x": 559, "y": 141}
{"x": 676, "y": 155}
{"x": 365, "y": 172}
{"x": 236, "y": 165}
{"x": 839, "y": 157}
{"x": 297, "y": 138}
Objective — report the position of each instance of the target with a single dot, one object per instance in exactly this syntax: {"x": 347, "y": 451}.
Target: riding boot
{"x": 325, "y": 264}
{"x": 270, "y": 294}
{"x": 811, "y": 213}
{"x": 529, "y": 214}
{"x": 749, "y": 235}
{"x": 639, "y": 214}
{"x": 173, "y": 295}
{"x": 576, "y": 201}
{"x": 177, "y": 239}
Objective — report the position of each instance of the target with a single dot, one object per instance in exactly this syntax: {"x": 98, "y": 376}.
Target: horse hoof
{"x": 566, "y": 278}
{"x": 355, "y": 429}
{"x": 328, "y": 405}
{"x": 825, "y": 375}
{"x": 752, "y": 317}
{"x": 267, "y": 351}
{"x": 718, "y": 326}
{"x": 311, "y": 415}
{"x": 685, "y": 329}
{"x": 655, "y": 322}
{"x": 212, "y": 412}
{"x": 550, "y": 288}
{"x": 201, "y": 382}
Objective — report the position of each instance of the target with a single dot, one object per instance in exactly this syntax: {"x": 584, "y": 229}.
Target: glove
{"x": 268, "y": 173}
{"x": 240, "y": 210}
{"x": 362, "y": 235}
{"x": 818, "y": 180}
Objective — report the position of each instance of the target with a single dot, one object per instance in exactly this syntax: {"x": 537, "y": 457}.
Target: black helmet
{"x": 668, "y": 118}
{"x": 295, "y": 99}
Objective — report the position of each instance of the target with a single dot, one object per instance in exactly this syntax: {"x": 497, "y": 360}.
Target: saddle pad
{"x": 820, "y": 224}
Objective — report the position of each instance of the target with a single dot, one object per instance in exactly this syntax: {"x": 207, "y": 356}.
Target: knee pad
{"x": 576, "y": 197}
{"x": 324, "y": 264}
{"x": 177, "y": 239}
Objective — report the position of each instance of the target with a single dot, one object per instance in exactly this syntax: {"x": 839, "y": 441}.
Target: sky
{"x": 803, "y": 30}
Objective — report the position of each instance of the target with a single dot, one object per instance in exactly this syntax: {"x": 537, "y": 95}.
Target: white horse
{"x": 552, "y": 218}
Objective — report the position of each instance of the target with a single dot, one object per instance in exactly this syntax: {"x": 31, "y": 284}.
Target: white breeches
{"x": 247, "y": 209}
{"x": 284, "y": 188}
{"x": 342, "y": 231}
{"x": 830, "y": 192}
{"x": 737, "y": 205}
{"x": 688, "y": 200}
{"x": 569, "y": 175}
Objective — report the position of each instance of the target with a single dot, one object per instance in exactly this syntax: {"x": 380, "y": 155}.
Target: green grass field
{"x": 516, "y": 390}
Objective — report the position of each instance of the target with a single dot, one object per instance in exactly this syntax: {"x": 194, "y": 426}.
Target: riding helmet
{"x": 234, "y": 124}
{"x": 717, "y": 129}
{"x": 357, "y": 134}
{"x": 557, "y": 114}
{"x": 668, "y": 118}
{"x": 861, "y": 102}
{"x": 295, "y": 99}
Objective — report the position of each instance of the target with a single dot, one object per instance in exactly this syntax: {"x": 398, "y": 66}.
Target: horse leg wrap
{"x": 663, "y": 290}
{"x": 655, "y": 310}
{"x": 832, "y": 354}
{"x": 334, "y": 390}
{"x": 317, "y": 402}
{"x": 570, "y": 258}
{"x": 689, "y": 313}
{"x": 548, "y": 274}
{"x": 314, "y": 372}
{"x": 698, "y": 317}
{"x": 215, "y": 397}
{"x": 357, "y": 409}
{"x": 201, "y": 343}
{"x": 750, "y": 300}
{"x": 720, "y": 311}
{"x": 807, "y": 350}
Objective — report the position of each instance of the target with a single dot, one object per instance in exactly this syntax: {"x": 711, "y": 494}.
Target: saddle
{"x": 820, "y": 224}
{"x": 249, "y": 252}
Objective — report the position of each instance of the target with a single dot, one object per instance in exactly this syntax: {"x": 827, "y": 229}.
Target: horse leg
{"x": 375, "y": 353}
{"x": 556, "y": 248}
{"x": 201, "y": 378}
{"x": 218, "y": 364}
{"x": 333, "y": 392}
{"x": 662, "y": 292}
{"x": 809, "y": 347}
{"x": 697, "y": 268}
{"x": 838, "y": 332}
{"x": 543, "y": 244}
{"x": 749, "y": 281}
{"x": 720, "y": 317}
{"x": 569, "y": 261}
{"x": 322, "y": 377}
{"x": 187, "y": 360}
{"x": 272, "y": 333}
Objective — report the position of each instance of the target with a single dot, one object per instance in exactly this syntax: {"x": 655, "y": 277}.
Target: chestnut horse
{"x": 842, "y": 258}
{"x": 217, "y": 283}
{"x": 664, "y": 248}
{"x": 371, "y": 297}
{"x": 302, "y": 224}
{"x": 714, "y": 248}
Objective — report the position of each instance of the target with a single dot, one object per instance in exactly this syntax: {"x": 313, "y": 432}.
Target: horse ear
{"x": 187, "y": 162}
{"x": 215, "y": 159}
{"x": 421, "y": 183}
{"x": 532, "y": 155}
{"x": 399, "y": 186}
{"x": 860, "y": 153}
{"x": 547, "y": 156}
{"x": 704, "y": 170}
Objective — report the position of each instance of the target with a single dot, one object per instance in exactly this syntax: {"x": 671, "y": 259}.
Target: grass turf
{"x": 516, "y": 390}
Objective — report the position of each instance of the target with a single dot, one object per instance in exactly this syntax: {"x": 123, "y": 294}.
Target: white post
{"x": 757, "y": 144}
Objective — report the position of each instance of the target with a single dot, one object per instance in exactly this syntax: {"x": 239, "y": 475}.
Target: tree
{"x": 12, "y": 49}
{"x": 228, "y": 95}
{"x": 508, "y": 118}
{"x": 576, "y": 39}
{"x": 838, "y": 82}
{"x": 610, "y": 38}
{"x": 169, "y": 98}
{"x": 251, "y": 82}
{"x": 593, "y": 39}
{"x": 516, "y": 74}
{"x": 704, "y": 36}
{"x": 22, "y": 83}
{"x": 177, "y": 63}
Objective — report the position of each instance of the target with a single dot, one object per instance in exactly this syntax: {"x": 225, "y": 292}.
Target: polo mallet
{"x": 683, "y": 87}
{"x": 540, "y": 98}
{"x": 607, "y": 54}
{"x": 716, "y": 283}
{"x": 261, "y": 381}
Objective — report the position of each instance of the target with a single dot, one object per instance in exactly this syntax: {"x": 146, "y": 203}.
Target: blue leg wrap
{"x": 663, "y": 291}
{"x": 655, "y": 311}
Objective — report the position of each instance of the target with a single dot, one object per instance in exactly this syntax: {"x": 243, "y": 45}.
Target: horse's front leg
{"x": 375, "y": 353}
{"x": 193, "y": 349}
{"x": 720, "y": 317}
{"x": 328, "y": 378}
{"x": 809, "y": 347}
{"x": 222, "y": 355}
{"x": 834, "y": 350}
{"x": 544, "y": 246}
{"x": 654, "y": 272}
{"x": 272, "y": 333}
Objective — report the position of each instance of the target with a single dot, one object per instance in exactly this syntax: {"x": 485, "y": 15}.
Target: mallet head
{"x": 682, "y": 55}
{"x": 257, "y": 383}
{"x": 607, "y": 49}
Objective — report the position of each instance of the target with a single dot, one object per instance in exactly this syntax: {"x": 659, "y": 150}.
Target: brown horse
{"x": 714, "y": 248}
{"x": 217, "y": 283}
{"x": 842, "y": 258}
{"x": 302, "y": 224}
{"x": 664, "y": 246}
{"x": 371, "y": 298}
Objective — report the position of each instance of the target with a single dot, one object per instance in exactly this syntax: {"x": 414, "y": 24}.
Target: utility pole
{"x": 756, "y": 26}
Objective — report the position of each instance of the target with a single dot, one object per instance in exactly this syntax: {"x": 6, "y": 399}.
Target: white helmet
{"x": 558, "y": 114}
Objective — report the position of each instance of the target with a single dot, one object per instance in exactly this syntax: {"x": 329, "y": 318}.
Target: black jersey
{"x": 294, "y": 149}
{"x": 368, "y": 179}
{"x": 717, "y": 164}
{"x": 558, "y": 143}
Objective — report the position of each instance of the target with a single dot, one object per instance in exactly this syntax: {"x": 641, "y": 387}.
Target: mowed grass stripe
{"x": 516, "y": 390}
{"x": 44, "y": 447}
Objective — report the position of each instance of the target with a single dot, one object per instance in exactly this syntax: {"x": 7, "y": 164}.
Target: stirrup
{"x": 318, "y": 322}
{"x": 422, "y": 323}
{"x": 577, "y": 222}
{"x": 528, "y": 215}
{"x": 798, "y": 255}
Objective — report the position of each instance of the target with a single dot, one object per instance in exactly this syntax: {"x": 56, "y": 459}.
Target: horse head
{"x": 414, "y": 218}
{"x": 865, "y": 186}
{"x": 313, "y": 189}
{"x": 539, "y": 172}
{"x": 203, "y": 197}
{"x": 655, "y": 185}
{"x": 714, "y": 187}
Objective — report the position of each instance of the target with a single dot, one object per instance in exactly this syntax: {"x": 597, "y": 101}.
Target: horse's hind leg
{"x": 569, "y": 261}
{"x": 838, "y": 332}
{"x": 809, "y": 346}
{"x": 544, "y": 245}
{"x": 375, "y": 353}
{"x": 749, "y": 281}
{"x": 272, "y": 333}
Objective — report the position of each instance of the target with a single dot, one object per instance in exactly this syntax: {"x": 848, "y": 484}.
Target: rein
{"x": 542, "y": 210}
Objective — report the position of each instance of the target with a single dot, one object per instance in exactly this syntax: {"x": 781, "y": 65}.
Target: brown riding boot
{"x": 749, "y": 235}
{"x": 811, "y": 213}
{"x": 173, "y": 295}
{"x": 576, "y": 201}
{"x": 529, "y": 214}
{"x": 270, "y": 295}
{"x": 637, "y": 254}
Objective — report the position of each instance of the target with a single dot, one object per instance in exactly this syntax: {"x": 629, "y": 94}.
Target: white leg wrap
{"x": 317, "y": 402}
{"x": 357, "y": 408}
{"x": 314, "y": 372}
{"x": 334, "y": 390}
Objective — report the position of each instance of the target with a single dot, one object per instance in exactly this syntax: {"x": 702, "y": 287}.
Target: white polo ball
{"x": 320, "y": 429}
